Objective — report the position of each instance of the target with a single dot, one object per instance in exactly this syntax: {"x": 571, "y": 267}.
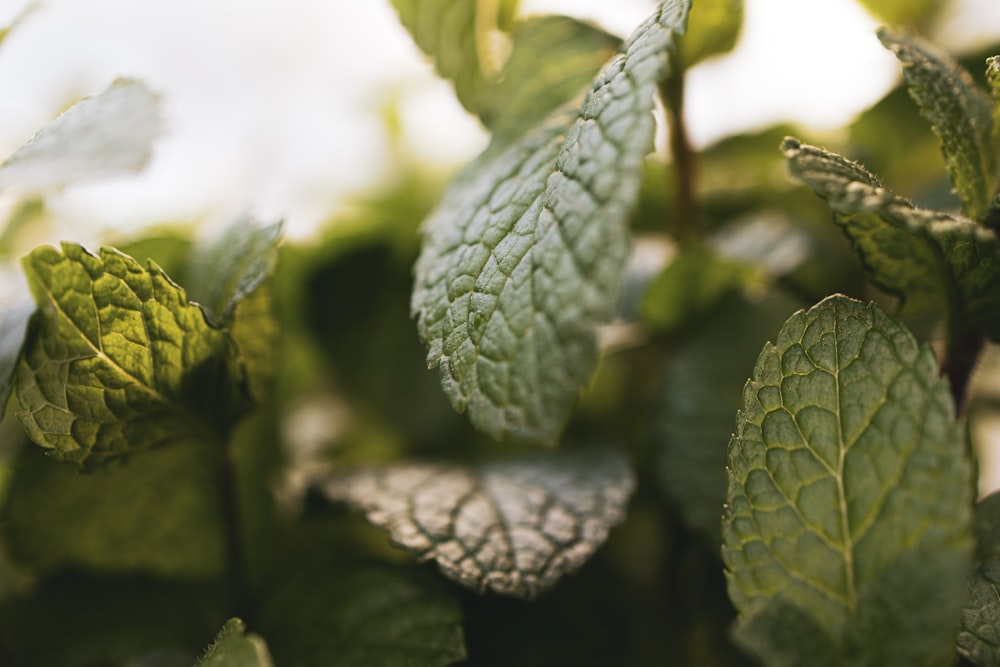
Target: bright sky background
{"x": 273, "y": 107}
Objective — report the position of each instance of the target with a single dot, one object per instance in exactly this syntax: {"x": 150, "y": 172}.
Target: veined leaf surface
{"x": 928, "y": 259}
{"x": 513, "y": 527}
{"x": 849, "y": 495}
{"x": 119, "y": 359}
{"x": 979, "y": 638}
{"x": 526, "y": 252}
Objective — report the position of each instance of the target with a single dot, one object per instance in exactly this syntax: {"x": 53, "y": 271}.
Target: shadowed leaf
{"x": 234, "y": 647}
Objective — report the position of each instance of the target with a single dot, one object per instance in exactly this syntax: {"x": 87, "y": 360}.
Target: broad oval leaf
{"x": 979, "y": 638}
{"x": 929, "y": 260}
{"x": 959, "y": 112}
{"x": 234, "y": 647}
{"x": 512, "y": 527}
{"x": 106, "y": 135}
{"x": 526, "y": 252}
{"x": 849, "y": 491}
{"x": 119, "y": 359}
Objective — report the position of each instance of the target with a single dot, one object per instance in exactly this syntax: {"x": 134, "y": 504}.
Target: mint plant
{"x": 672, "y": 414}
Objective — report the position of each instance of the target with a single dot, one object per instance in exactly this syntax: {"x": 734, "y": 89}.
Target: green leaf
{"x": 910, "y": 12}
{"x": 713, "y": 29}
{"x": 959, "y": 112}
{"x": 849, "y": 491}
{"x": 702, "y": 389}
{"x": 526, "y": 252}
{"x": 119, "y": 360}
{"x": 979, "y": 638}
{"x": 256, "y": 332}
{"x": 928, "y": 259}
{"x": 156, "y": 512}
{"x": 220, "y": 274}
{"x": 14, "y": 317}
{"x": 553, "y": 61}
{"x": 362, "y": 616}
{"x": 106, "y": 135}
{"x": 513, "y": 527}
{"x": 465, "y": 40}
{"x": 233, "y": 647}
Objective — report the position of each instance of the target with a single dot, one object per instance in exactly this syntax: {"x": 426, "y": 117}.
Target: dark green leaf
{"x": 848, "y": 474}
{"x": 702, "y": 389}
{"x": 119, "y": 360}
{"x": 222, "y": 273}
{"x": 553, "y": 61}
{"x": 526, "y": 252}
{"x": 929, "y": 260}
{"x": 155, "y": 512}
{"x": 513, "y": 527}
{"x": 960, "y": 114}
{"x": 979, "y": 638}
{"x": 362, "y": 617}
{"x": 106, "y": 135}
{"x": 713, "y": 28}
{"x": 233, "y": 647}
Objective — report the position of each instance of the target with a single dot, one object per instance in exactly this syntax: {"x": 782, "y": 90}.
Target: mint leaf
{"x": 913, "y": 12}
{"x": 106, "y": 135}
{"x": 220, "y": 274}
{"x": 155, "y": 513}
{"x": 927, "y": 259}
{"x": 713, "y": 28}
{"x": 960, "y": 114}
{"x": 526, "y": 251}
{"x": 553, "y": 60}
{"x": 848, "y": 475}
{"x": 14, "y": 317}
{"x": 233, "y": 647}
{"x": 363, "y": 616}
{"x": 979, "y": 638}
{"x": 513, "y": 527}
{"x": 120, "y": 361}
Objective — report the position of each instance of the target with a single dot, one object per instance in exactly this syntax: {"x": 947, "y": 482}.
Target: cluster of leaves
{"x": 210, "y": 407}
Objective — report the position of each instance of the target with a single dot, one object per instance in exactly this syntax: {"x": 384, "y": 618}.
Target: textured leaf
{"x": 155, "y": 513}
{"x": 221, "y": 274}
{"x": 979, "y": 638}
{"x": 14, "y": 317}
{"x": 553, "y": 61}
{"x": 106, "y": 135}
{"x": 513, "y": 527}
{"x": 235, "y": 648}
{"x": 367, "y": 616}
{"x": 929, "y": 260}
{"x": 526, "y": 252}
{"x": 849, "y": 489}
{"x": 960, "y": 114}
{"x": 119, "y": 361}
{"x": 713, "y": 29}
{"x": 702, "y": 389}
{"x": 464, "y": 38}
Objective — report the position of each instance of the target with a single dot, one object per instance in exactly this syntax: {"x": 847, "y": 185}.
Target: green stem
{"x": 686, "y": 226}
{"x": 232, "y": 530}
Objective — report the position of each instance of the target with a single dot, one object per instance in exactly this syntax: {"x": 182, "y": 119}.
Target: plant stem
{"x": 686, "y": 225}
{"x": 232, "y": 531}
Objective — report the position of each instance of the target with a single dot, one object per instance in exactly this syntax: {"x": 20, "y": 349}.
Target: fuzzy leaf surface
{"x": 120, "y": 360}
{"x": 525, "y": 254}
{"x": 979, "y": 638}
{"x": 512, "y": 527}
{"x": 959, "y": 112}
{"x": 365, "y": 616}
{"x": 234, "y": 647}
{"x": 927, "y": 259}
{"x": 106, "y": 135}
{"x": 848, "y": 478}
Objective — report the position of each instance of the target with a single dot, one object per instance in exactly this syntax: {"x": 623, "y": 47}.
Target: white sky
{"x": 273, "y": 107}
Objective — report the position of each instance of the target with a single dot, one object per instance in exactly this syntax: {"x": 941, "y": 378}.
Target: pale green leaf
{"x": 14, "y": 317}
{"x": 512, "y": 527}
{"x": 156, "y": 512}
{"x": 929, "y": 260}
{"x": 979, "y": 638}
{"x": 526, "y": 252}
{"x": 234, "y": 647}
{"x": 552, "y": 61}
{"x": 713, "y": 28}
{"x": 910, "y": 12}
{"x": 107, "y": 135}
{"x": 220, "y": 274}
{"x": 849, "y": 492}
{"x": 119, "y": 360}
{"x": 362, "y": 616}
{"x": 959, "y": 112}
